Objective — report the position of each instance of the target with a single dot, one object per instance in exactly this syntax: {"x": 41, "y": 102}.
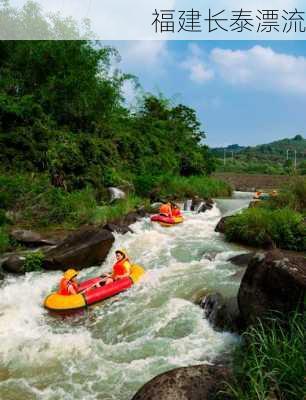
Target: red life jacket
{"x": 121, "y": 267}
{"x": 64, "y": 287}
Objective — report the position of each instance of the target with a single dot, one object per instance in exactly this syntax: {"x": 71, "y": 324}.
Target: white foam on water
{"x": 111, "y": 350}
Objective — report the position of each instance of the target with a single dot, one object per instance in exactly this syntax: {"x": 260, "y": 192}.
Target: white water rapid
{"x": 111, "y": 349}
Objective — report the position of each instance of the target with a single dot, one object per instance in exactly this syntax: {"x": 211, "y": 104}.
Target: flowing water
{"x": 111, "y": 349}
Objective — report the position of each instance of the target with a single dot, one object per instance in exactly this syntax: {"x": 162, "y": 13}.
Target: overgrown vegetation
{"x": 4, "y": 239}
{"x": 63, "y": 112}
{"x": 105, "y": 213}
{"x": 279, "y": 221}
{"x": 168, "y": 186}
{"x": 66, "y": 134}
{"x": 261, "y": 227}
{"x": 292, "y": 196}
{"x": 271, "y": 364}
{"x": 33, "y": 261}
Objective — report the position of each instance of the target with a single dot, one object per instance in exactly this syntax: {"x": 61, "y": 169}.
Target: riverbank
{"x": 32, "y": 202}
{"x": 278, "y": 221}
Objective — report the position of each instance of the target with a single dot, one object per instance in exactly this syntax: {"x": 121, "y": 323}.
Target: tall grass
{"x": 179, "y": 187}
{"x": 103, "y": 214}
{"x": 56, "y": 206}
{"x": 260, "y": 227}
{"x": 292, "y": 196}
{"x": 37, "y": 204}
{"x": 271, "y": 364}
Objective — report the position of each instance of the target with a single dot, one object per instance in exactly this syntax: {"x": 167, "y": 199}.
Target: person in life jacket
{"x": 274, "y": 193}
{"x": 165, "y": 209}
{"x": 68, "y": 284}
{"x": 176, "y": 212}
{"x": 257, "y": 195}
{"x": 121, "y": 269}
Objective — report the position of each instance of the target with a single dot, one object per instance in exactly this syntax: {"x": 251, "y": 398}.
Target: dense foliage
{"x": 279, "y": 221}
{"x": 271, "y": 362}
{"x": 276, "y": 158}
{"x": 66, "y": 134}
{"x": 33, "y": 261}
{"x": 283, "y": 228}
{"x": 62, "y": 112}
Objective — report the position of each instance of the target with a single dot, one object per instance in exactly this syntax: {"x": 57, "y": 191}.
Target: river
{"x": 110, "y": 350}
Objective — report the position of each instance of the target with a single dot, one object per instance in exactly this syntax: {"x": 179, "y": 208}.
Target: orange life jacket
{"x": 64, "y": 287}
{"x": 121, "y": 268}
{"x": 165, "y": 209}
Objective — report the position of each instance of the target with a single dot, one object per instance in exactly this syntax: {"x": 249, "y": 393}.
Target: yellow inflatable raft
{"x": 58, "y": 302}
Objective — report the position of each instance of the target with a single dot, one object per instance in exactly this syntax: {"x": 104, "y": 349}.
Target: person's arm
{"x": 71, "y": 289}
{"x": 126, "y": 275}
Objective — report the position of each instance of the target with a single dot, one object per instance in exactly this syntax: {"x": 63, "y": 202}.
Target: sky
{"x": 244, "y": 92}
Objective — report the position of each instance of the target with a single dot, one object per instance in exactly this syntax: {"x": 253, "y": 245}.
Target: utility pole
{"x": 224, "y": 157}
{"x": 232, "y": 156}
{"x": 294, "y": 159}
{"x": 288, "y": 154}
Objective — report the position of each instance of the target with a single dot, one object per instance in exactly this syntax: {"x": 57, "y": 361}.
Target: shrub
{"x": 56, "y": 206}
{"x": 261, "y": 226}
{"x": 33, "y": 261}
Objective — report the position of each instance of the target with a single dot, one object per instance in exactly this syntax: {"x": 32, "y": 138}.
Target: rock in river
{"x": 84, "y": 248}
{"x": 199, "y": 382}
{"x": 220, "y": 227}
{"x": 242, "y": 259}
{"x": 30, "y": 238}
{"x": 222, "y": 313}
{"x": 273, "y": 281}
{"x": 14, "y": 264}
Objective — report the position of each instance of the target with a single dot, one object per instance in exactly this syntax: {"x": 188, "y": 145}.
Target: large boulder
{"x": 130, "y": 218}
{"x": 30, "y": 238}
{"x": 198, "y": 205}
{"x": 14, "y": 264}
{"x": 241, "y": 259}
{"x": 121, "y": 225}
{"x": 275, "y": 281}
{"x": 84, "y": 248}
{"x": 220, "y": 227}
{"x": 222, "y": 313}
{"x": 199, "y": 382}
{"x": 118, "y": 228}
{"x": 201, "y": 205}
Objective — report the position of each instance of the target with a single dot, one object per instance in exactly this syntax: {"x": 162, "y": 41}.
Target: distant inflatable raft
{"x": 57, "y": 302}
{"x": 167, "y": 221}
